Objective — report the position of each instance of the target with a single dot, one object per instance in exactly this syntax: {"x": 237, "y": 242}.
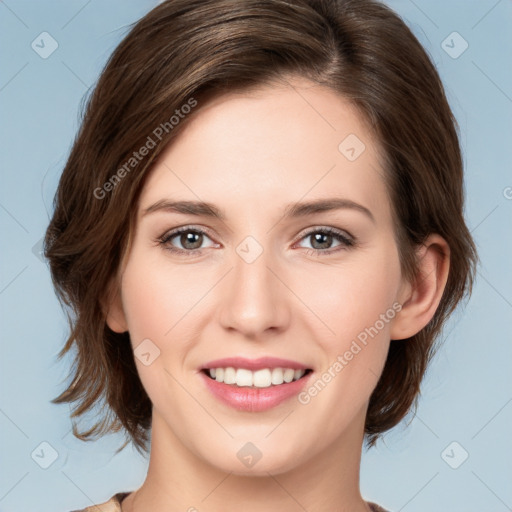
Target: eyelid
{"x": 171, "y": 233}
{"x": 329, "y": 229}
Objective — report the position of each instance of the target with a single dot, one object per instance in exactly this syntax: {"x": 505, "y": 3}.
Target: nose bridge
{"x": 253, "y": 299}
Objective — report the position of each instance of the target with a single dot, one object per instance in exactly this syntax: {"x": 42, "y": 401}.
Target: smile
{"x": 264, "y": 378}
{"x": 254, "y": 385}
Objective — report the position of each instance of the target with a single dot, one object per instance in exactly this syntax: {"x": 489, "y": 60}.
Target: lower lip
{"x": 252, "y": 399}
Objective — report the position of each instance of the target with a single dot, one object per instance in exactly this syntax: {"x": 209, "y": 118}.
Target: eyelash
{"x": 346, "y": 241}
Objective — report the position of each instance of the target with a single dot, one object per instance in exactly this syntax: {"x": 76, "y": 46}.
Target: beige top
{"x": 114, "y": 505}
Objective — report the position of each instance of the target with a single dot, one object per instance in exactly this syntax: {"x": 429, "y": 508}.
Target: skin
{"x": 251, "y": 154}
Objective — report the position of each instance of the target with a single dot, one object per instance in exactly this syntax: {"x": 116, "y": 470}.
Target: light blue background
{"x": 467, "y": 394}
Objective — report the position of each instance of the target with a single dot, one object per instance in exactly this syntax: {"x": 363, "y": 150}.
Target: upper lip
{"x": 255, "y": 364}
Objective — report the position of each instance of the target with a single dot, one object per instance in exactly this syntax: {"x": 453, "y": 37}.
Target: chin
{"x": 251, "y": 459}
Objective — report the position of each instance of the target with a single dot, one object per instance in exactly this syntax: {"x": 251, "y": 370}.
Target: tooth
{"x": 288, "y": 375}
{"x": 277, "y": 376}
{"x": 243, "y": 377}
{"x": 262, "y": 378}
{"x": 229, "y": 375}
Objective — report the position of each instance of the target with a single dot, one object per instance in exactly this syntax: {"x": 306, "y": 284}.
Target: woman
{"x": 307, "y": 153}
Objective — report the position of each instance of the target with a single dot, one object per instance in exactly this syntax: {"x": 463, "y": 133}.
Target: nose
{"x": 254, "y": 299}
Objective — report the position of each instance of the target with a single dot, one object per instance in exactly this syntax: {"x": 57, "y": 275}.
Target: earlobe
{"x": 114, "y": 313}
{"x": 422, "y": 297}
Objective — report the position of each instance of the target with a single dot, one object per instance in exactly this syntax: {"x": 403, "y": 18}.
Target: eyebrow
{"x": 293, "y": 210}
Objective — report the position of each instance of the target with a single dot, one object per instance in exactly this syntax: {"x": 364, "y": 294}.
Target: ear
{"x": 421, "y": 298}
{"x": 113, "y": 307}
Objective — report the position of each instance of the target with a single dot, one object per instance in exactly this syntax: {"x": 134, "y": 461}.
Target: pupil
{"x": 189, "y": 238}
{"x": 319, "y": 236}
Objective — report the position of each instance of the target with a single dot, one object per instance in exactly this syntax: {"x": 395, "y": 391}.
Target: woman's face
{"x": 317, "y": 287}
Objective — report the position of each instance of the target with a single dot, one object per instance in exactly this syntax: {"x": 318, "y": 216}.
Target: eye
{"x": 190, "y": 239}
{"x": 322, "y": 240}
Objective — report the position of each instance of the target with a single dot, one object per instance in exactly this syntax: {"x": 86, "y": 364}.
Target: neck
{"x": 177, "y": 480}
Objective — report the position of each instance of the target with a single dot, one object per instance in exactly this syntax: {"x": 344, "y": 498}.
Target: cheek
{"x": 351, "y": 298}
{"x": 144, "y": 301}
{"x": 153, "y": 302}
{"x": 156, "y": 297}
{"x": 357, "y": 304}
{"x": 161, "y": 303}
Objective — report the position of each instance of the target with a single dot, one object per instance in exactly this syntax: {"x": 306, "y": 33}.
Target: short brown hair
{"x": 185, "y": 49}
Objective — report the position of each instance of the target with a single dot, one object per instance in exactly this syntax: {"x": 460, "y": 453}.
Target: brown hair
{"x": 185, "y": 51}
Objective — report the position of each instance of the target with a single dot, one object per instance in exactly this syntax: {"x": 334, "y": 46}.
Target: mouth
{"x": 254, "y": 385}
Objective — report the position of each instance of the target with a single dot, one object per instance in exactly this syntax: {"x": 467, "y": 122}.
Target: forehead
{"x": 269, "y": 146}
